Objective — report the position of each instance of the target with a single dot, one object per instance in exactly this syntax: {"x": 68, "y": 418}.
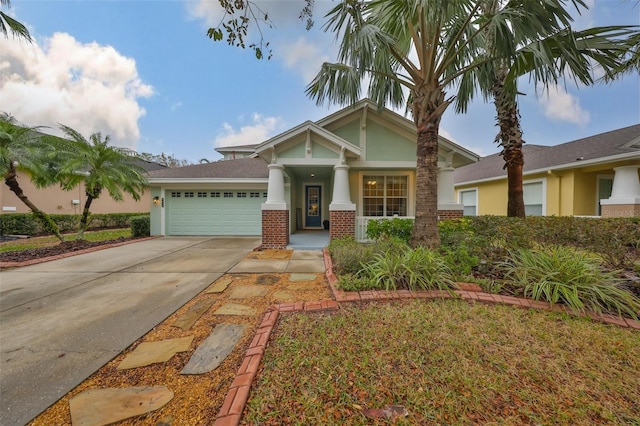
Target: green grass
{"x": 447, "y": 362}
{"x": 36, "y": 242}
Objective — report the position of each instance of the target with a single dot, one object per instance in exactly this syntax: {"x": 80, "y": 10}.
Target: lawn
{"x": 447, "y": 362}
{"x": 49, "y": 241}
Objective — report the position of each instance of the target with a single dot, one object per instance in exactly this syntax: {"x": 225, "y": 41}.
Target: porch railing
{"x": 361, "y": 225}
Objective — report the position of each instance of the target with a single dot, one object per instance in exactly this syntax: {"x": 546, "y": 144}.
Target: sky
{"x": 145, "y": 73}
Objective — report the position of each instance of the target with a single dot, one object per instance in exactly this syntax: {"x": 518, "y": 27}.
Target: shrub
{"x": 408, "y": 269}
{"x": 26, "y": 223}
{"x": 140, "y": 226}
{"x": 347, "y": 255}
{"x": 390, "y": 228}
{"x": 573, "y": 277}
{"x": 351, "y": 282}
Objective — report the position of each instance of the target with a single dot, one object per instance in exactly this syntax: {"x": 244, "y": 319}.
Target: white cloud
{"x": 303, "y": 57}
{"x": 260, "y": 130}
{"x": 558, "y": 105}
{"x": 90, "y": 87}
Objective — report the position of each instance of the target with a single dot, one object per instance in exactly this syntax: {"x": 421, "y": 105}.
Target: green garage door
{"x": 214, "y": 212}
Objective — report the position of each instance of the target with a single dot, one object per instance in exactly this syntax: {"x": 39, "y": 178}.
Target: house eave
{"x": 160, "y": 181}
{"x": 566, "y": 166}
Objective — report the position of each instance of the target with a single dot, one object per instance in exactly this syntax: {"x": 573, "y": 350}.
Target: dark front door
{"x": 313, "y": 200}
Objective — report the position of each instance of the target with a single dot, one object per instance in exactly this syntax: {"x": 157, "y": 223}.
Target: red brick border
{"x": 467, "y": 293}
{"x": 69, "y": 254}
{"x": 234, "y": 403}
{"x": 230, "y": 413}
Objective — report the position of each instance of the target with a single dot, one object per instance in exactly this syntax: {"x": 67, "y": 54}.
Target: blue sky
{"x": 145, "y": 73}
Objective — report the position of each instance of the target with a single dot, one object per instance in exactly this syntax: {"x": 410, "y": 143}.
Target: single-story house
{"x": 338, "y": 172}
{"x": 54, "y": 200}
{"x": 593, "y": 176}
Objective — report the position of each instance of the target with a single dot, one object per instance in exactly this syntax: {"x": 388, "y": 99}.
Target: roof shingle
{"x": 248, "y": 168}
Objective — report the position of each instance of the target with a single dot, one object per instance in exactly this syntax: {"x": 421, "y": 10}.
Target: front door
{"x": 313, "y": 199}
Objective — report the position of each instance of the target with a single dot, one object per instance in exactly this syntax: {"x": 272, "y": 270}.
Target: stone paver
{"x": 147, "y": 353}
{"x": 235, "y": 309}
{"x": 303, "y": 266}
{"x": 260, "y": 265}
{"x": 248, "y": 291}
{"x": 267, "y": 279}
{"x": 97, "y": 407}
{"x": 302, "y": 277}
{"x": 220, "y": 285}
{"x": 215, "y": 348}
{"x": 186, "y": 320}
{"x": 307, "y": 255}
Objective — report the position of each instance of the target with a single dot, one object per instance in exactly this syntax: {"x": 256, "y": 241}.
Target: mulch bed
{"x": 62, "y": 248}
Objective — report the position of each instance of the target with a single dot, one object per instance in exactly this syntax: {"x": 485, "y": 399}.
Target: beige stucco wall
{"x": 53, "y": 200}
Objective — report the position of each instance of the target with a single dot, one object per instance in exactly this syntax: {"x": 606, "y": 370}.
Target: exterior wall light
{"x": 156, "y": 200}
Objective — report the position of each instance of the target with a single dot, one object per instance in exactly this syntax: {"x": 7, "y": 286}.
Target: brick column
{"x": 275, "y": 229}
{"x": 450, "y": 214}
{"x": 342, "y": 223}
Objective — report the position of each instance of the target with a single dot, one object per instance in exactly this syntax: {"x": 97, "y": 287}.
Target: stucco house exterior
{"x": 341, "y": 171}
{"x": 593, "y": 176}
{"x": 54, "y": 200}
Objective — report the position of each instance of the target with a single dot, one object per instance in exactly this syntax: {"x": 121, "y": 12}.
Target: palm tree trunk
{"x": 85, "y": 216}
{"x": 510, "y": 139}
{"x": 47, "y": 223}
{"x": 425, "y": 227}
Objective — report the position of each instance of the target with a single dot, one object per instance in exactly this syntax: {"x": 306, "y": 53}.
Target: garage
{"x": 214, "y": 212}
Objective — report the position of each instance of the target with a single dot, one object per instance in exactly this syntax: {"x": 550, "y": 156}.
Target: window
{"x": 469, "y": 199}
{"x": 188, "y": 194}
{"x": 384, "y": 195}
{"x": 175, "y": 194}
{"x": 242, "y": 195}
{"x": 215, "y": 195}
{"x": 202, "y": 195}
{"x": 533, "y": 198}
{"x": 254, "y": 195}
{"x": 228, "y": 195}
{"x": 264, "y": 195}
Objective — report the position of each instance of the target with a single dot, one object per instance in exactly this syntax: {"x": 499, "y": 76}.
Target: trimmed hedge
{"x": 26, "y": 223}
{"x": 140, "y": 226}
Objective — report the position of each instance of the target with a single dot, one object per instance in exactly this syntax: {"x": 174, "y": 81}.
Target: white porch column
{"x": 275, "y": 191}
{"x": 448, "y": 206}
{"x": 625, "y": 194}
{"x": 341, "y": 192}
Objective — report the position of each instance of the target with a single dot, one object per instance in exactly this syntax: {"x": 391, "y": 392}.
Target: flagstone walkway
{"x": 171, "y": 365}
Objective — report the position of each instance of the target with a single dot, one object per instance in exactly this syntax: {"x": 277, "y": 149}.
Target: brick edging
{"x": 235, "y": 401}
{"x": 69, "y": 254}
{"x": 360, "y": 296}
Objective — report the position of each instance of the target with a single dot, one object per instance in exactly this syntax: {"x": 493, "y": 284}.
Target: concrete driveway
{"x": 60, "y": 321}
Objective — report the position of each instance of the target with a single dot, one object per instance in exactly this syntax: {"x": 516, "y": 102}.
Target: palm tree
{"x": 10, "y": 25}
{"x": 547, "y": 52}
{"x": 422, "y": 46}
{"x": 100, "y": 167}
{"x": 23, "y": 148}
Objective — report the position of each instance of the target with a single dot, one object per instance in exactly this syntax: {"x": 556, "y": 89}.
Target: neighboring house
{"x": 53, "y": 200}
{"x": 593, "y": 176}
{"x": 342, "y": 171}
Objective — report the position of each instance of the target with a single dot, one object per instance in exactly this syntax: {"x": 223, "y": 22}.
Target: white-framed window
{"x": 254, "y": 195}
{"x": 188, "y": 194}
{"x": 215, "y": 194}
{"x": 385, "y": 195}
{"x": 264, "y": 195}
{"x": 242, "y": 195}
{"x": 202, "y": 194}
{"x": 534, "y": 197}
{"x": 469, "y": 199}
{"x": 228, "y": 195}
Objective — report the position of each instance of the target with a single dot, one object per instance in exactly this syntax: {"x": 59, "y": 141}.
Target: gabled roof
{"x": 237, "y": 148}
{"x": 243, "y": 168}
{"x": 615, "y": 145}
{"x": 308, "y": 126}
